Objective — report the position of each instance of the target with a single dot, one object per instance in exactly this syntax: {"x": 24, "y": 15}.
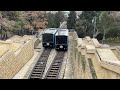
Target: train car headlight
{"x": 61, "y": 46}
{"x": 47, "y": 44}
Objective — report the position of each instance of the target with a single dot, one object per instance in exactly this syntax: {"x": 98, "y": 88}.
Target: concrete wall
{"x": 14, "y": 59}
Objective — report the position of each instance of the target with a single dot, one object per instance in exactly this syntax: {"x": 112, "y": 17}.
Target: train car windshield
{"x": 61, "y": 40}
{"x": 47, "y": 38}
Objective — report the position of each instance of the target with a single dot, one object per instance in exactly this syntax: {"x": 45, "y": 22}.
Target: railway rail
{"x": 53, "y": 71}
{"x": 39, "y": 68}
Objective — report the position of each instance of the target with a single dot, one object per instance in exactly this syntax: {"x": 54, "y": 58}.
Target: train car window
{"x": 47, "y": 38}
{"x": 61, "y": 40}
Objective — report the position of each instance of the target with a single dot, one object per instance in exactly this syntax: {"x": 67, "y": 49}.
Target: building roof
{"x": 63, "y": 32}
{"x": 51, "y": 30}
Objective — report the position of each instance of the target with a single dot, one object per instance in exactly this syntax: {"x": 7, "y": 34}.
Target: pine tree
{"x": 59, "y": 17}
{"x": 57, "y": 20}
{"x": 86, "y": 18}
{"x": 71, "y": 20}
{"x": 50, "y": 19}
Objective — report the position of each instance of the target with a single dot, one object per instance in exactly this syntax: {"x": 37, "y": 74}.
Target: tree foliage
{"x": 19, "y": 22}
{"x": 86, "y": 23}
{"x": 50, "y": 18}
{"x": 55, "y": 19}
{"x": 71, "y": 20}
{"x": 106, "y": 24}
{"x": 109, "y": 25}
{"x": 10, "y": 15}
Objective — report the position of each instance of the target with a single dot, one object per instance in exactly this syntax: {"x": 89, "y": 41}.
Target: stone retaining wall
{"x": 88, "y": 64}
{"x": 15, "y": 58}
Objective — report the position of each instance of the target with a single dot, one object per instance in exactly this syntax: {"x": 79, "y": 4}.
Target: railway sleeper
{"x": 37, "y": 76}
{"x": 53, "y": 71}
{"x": 42, "y": 58}
{"x": 42, "y": 61}
{"x": 58, "y": 61}
{"x": 38, "y": 68}
{"x": 51, "y": 78}
{"x": 52, "y": 75}
{"x": 45, "y": 55}
{"x": 57, "y": 66}
{"x": 38, "y": 71}
{"x": 38, "y": 65}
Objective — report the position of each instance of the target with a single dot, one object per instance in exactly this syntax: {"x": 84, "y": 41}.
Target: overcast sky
{"x": 78, "y": 12}
{"x": 67, "y": 12}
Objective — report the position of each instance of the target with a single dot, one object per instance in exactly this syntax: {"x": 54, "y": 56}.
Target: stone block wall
{"x": 14, "y": 59}
{"x": 88, "y": 64}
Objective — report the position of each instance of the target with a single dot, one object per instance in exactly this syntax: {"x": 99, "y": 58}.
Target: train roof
{"x": 62, "y": 32}
{"x": 51, "y": 30}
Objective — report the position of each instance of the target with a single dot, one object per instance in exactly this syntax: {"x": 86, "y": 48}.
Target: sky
{"x": 67, "y": 12}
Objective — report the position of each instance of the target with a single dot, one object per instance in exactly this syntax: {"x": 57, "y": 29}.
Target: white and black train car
{"x": 61, "y": 39}
{"x": 48, "y": 37}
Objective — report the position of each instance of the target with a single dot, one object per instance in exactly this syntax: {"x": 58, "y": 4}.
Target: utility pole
{"x": 94, "y": 23}
{"x": 94, "y": 26}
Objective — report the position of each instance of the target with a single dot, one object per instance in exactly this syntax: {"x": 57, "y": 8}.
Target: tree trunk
{"x": 1, "y": 36}
{"x": 6, "y": 36}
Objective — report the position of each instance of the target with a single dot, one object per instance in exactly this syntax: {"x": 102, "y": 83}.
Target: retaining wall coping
{"x": 96, "y": 43}
{"x": 106, "y": 55}
{"x": 90, "y": 49}
{"x": 80, "y": 42}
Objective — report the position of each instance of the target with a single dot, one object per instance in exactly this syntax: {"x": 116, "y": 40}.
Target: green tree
{"x": 80, "y": 29}
{"x": 108, "y": 25}
{"x": 10, "y": 15}
{"x": 84, "y": 25}
{"x": 71, "y": 20}
{"x": 59, "y": 17}
{"x": 55, "y": 19}
{"x": 50, "y": 19}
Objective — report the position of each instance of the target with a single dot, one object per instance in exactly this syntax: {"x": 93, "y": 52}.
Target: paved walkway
{"x": 68, "y": 73}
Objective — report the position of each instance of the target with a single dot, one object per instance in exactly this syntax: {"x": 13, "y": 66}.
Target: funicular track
{"x": 39, "y": 68}
{"x": 53, "y": 71}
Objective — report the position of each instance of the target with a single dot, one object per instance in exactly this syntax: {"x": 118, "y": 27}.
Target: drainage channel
{"x": 53, "y": 71}
{"x": 39, "y": 68}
